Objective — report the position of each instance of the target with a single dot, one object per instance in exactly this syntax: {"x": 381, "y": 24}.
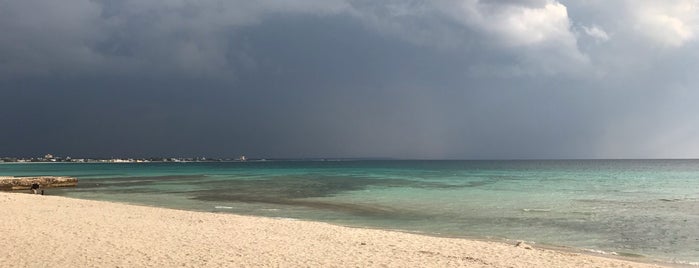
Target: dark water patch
{"x": 137, "y": 181}
{"x": 107, "y": 191}
{"x": 351, "y": 208}
{"x": 302, "y": 186}
{"x": 159, "y": 178}
{"x": 282, "y": 187}
{"x": 153, "y": 178}
{"x": 318, "y": 185}
{"x": 111, "y": 190}
{"x": 474, "y": 184}
{"x": 111, "y": 184}
{"x": 296, "y": 191}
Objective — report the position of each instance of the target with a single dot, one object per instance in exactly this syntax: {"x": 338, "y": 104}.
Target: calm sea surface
{"x": 643, "y": 207}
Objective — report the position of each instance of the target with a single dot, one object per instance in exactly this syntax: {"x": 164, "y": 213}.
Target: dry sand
{"x": 51, "y": 231}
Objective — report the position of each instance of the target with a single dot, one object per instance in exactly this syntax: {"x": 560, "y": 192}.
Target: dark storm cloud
{"x": 411, "y": 79}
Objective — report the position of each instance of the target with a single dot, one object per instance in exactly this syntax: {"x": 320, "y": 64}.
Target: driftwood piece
{"x": 25, "y": 183}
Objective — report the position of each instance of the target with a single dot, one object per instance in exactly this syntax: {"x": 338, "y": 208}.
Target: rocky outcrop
{"x": 25, "y": 183}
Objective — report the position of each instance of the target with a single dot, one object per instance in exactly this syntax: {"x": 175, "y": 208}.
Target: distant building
{"x": 8, "y": 159}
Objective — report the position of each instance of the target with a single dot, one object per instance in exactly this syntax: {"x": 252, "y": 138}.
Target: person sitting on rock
{"x": 35, "y": 187}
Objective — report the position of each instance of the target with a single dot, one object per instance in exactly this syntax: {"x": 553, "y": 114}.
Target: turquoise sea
{"x": 627, "y": 207}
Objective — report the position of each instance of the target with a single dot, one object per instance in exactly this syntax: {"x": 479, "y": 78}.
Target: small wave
{"x": 223, "y": 207}
{"x": 678, "y": 199}
{"x": 670, "y": 199}
{"x": 536, "y": 209}
{"x": 690, "y": 263}
{"x": 600, "y": 251}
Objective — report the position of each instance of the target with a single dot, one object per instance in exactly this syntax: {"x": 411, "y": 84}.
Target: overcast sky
{"x": 468, "y": 79}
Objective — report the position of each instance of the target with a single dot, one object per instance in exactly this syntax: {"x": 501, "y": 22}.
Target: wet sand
{"x": 51, "y": 231}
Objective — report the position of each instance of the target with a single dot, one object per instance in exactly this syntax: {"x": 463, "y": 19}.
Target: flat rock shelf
{"x": 25, "y": 183}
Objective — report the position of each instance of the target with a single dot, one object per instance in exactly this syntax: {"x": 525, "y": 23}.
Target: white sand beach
{"x": 51, "y": 231}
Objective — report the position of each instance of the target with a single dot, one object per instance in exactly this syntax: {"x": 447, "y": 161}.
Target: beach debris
{"x": 521, "y": 244}
{"x": 25, "y": 183}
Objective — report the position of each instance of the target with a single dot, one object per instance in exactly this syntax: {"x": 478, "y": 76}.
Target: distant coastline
{"x": 6, "y": 160}
{"x": 49, "y": 158}
{"x": 58, "y": 159}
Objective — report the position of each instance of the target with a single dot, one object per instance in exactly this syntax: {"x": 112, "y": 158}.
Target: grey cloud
{"x": 196, "y": 38}
{"x": 416, "y": 79}
{"x": 200, "y": 38}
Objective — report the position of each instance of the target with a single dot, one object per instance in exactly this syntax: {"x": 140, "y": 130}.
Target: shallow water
{"x": 645, "y": 207}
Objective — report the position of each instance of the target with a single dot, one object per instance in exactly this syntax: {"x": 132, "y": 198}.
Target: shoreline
{"x": 623, "y": 256}
{"x": 78, "y": 232}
